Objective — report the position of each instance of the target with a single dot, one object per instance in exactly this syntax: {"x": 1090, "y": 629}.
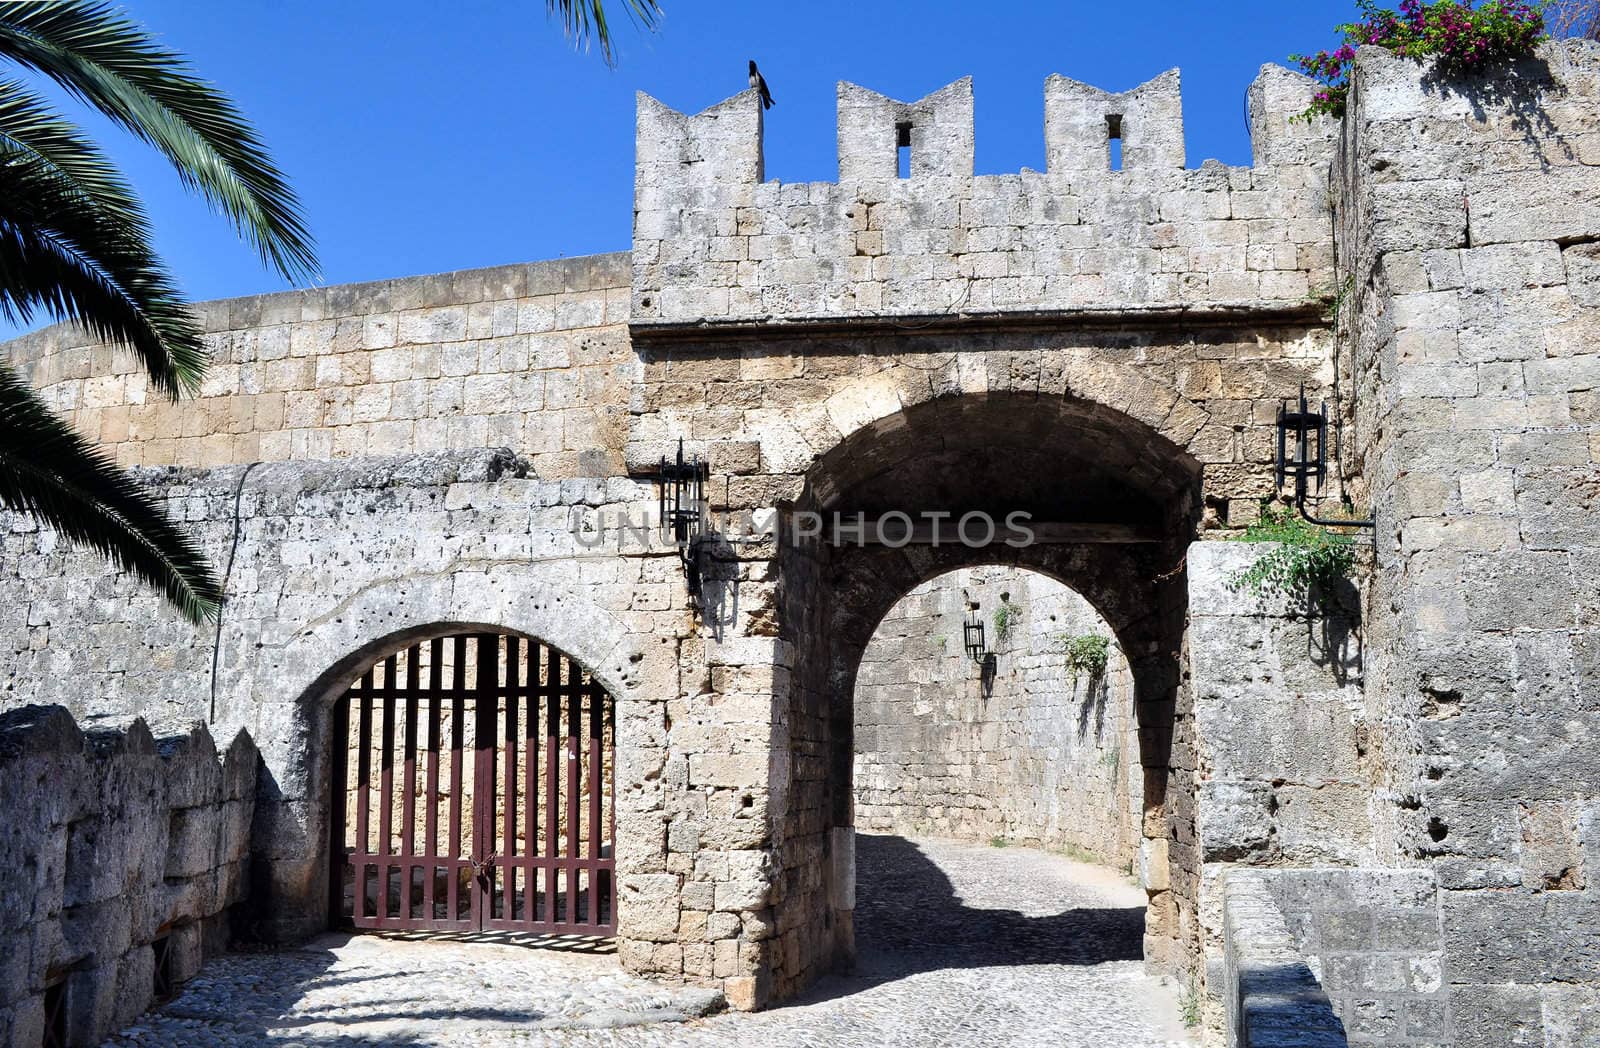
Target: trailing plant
{"x": 1308, "y": 557}
{"x": 1086, "y": 654}
{"x": 1005, "y": 620}
{"x": 1462, "y": 36}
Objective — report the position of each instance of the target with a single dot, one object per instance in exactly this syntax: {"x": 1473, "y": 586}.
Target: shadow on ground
{"x": 909, "y": 919}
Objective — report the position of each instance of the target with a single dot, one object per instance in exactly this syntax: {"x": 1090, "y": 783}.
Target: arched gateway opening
{"x": 997, "y": 789}
{"x": 993, "y": 705}
{"x": 473, "y": 790}
{"x": 1111, "y": 506}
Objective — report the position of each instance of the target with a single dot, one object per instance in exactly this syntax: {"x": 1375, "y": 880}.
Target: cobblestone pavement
{"x": 959, "y": 944}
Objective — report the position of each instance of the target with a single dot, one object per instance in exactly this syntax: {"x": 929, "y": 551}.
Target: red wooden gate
{"x": 474, "y": 791}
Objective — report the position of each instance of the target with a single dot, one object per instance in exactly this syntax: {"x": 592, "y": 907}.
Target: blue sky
{"x": 426, "y": 136}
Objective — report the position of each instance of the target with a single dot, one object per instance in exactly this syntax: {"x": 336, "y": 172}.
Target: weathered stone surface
{"x": 1474, "y": 694}
{"x": 111, "y": 838}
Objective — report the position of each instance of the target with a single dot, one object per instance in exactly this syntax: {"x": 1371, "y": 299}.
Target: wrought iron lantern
{"x": 683, "y": 510}
{"x": 1303, "y": 455}
{"x": 972, "y": 634}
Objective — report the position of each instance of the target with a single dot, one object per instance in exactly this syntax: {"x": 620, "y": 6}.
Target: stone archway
{"x": 290, "y": 698}
{"x": 1117, "y": 505}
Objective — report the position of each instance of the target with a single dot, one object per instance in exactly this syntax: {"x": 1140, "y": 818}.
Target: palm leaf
{"x": 62, "y": 252}
{"x": 30, "y": 124}
{"x": 115, "y": 66}
{"x": 49, "y": 471}
{"x": 585, "y": 20}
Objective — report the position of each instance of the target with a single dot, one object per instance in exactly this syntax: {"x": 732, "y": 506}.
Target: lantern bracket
{"x": 972, "y": 637}
{"x": 1302, "y": 458}
{"x": 683, "y": 512}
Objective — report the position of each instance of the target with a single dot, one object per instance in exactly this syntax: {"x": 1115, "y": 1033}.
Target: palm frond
{"x": 62, "y": 252}
{"x": 115, "y": 66}
{"x": 585, "y": 20}
{"x": 30, "y": 124}
{"x": 49, "y": 471}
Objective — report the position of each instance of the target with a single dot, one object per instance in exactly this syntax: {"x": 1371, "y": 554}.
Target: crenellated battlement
{"x": 1081, "y": 121}
{"x": 937, "y": 129}
{"x": 1115, "y": 222}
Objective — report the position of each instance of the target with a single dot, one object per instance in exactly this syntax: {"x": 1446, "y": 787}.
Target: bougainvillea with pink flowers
{"x": 1464, "y": 37}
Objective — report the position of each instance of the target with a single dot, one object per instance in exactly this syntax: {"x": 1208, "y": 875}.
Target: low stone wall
{"x": 1273, "y": 997}
{"x": 120, "y": 855}
{"x": 1332, "y": 956}
{"x": 1022, "y": 749}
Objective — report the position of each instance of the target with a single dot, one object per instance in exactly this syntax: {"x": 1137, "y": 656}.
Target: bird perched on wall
{"x": 760, "y": 84}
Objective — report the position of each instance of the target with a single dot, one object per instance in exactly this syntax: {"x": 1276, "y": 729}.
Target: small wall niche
{"x": 55, "y": 1013}
{"x": 902, "y": 142}
{"x": 163, "y": 985}
{"x": 1114, "y": 140}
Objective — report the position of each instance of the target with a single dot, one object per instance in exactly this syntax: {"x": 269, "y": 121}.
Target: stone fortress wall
{"x": 126, "y": 856}
{"x": 530, "y": 357}
{"x": 1027, "y": 752}
{"x": 1152, "y": 237}
{"x": 1469, "y": 219}
{"x": 428, "y": 444}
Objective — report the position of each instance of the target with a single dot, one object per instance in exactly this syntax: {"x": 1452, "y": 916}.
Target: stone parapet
{"x": 715, "y": 244}
{"x": 534, "y": 357}
{"x": 122, "y": 856}
{"x": 1274, "y": 1000}
{"x": 1318, "y": 957}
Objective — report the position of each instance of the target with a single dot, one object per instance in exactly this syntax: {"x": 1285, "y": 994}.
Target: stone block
{"x": 1508, "y": 206}
{"x": 647, "y": 906}
{"x": 192, "y": 841}
{"x": 1234, "y": 820}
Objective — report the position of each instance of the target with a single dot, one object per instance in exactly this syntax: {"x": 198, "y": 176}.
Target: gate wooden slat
{"x": 574, "y": 800}
{"x": 408, "y": 804}
{"x": 596, "y": 777}
{"x": 483, "y": 774}
{"x": 508, "y": 846}
{"x": 552, "y": 819}
{"x": 430, "y": 831}
{"x": 530, "y": 761}
{"x": 458, "y": 729}
{"x": 386, "y": 789}
{"x": 363, "y": 800}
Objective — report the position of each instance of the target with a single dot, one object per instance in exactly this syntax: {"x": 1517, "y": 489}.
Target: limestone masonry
{"x": 1374, "y": 824}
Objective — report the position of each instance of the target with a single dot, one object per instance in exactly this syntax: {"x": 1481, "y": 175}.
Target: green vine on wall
{"x": 1086, "y": 654}
{"x": 1310, "y": 561}
{"x": 1005, "y": 620}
